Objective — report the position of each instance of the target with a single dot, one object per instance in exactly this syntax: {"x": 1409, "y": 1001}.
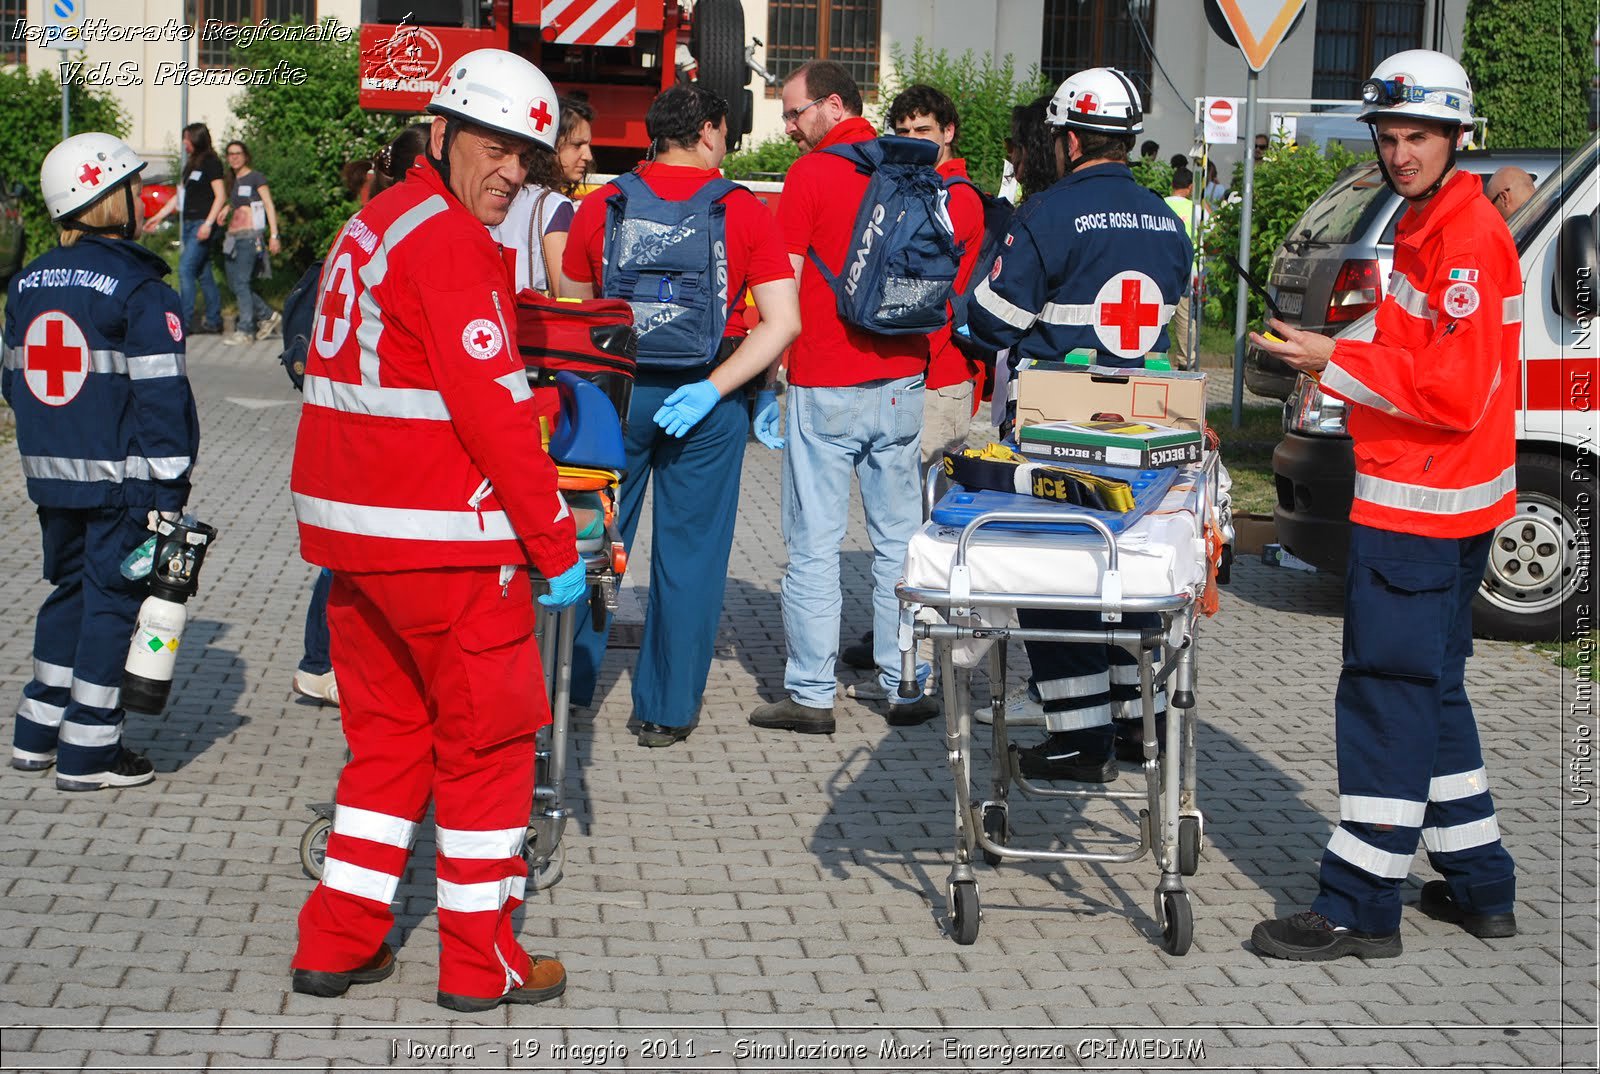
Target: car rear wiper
{"x": 1305, "y": 242}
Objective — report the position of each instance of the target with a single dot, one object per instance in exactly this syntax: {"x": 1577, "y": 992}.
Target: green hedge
{"x": 768, "y": 160}
{"x": 301, "y": 135}
{"x": 1531, "y": 63}
{"x": 31, "y": 104}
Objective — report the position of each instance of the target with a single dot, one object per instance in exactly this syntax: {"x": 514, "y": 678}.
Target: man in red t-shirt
{"x": 855, "y": 406}
{"x": 687, "y": 422}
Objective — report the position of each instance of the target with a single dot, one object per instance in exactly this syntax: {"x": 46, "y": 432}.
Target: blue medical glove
{"x": 567, "y": 588}
{"x": 685, "y": 408}
{"x": 769, "y": 419}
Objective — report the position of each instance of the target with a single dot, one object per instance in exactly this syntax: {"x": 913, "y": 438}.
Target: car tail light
{"x": 1356, "y": 291}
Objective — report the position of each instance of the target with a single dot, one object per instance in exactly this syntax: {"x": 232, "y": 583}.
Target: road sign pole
{"x": 1242, "y": 306}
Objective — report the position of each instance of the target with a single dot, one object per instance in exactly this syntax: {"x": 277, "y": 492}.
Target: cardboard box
{"x": 1252, "y": 533}
{"x": 1056, "y": 391}
{"x": 1138, "y": 444}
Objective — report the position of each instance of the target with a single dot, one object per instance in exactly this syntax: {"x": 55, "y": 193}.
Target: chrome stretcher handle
{"x": 1110, "y": 581}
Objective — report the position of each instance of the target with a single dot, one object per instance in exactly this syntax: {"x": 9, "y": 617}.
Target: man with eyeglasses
{"x": 1507, "y": 189}
{"x": 855, "y": 405}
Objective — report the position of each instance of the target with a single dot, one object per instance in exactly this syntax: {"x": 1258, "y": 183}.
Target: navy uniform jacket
{"x": 1096, "y": 261}
{"x": 94, "y": 370}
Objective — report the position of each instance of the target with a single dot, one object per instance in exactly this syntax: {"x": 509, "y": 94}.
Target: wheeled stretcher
{"x": 962, "y": 588}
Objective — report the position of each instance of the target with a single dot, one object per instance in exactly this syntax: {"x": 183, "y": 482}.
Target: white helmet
{"x": 501, "y": 91}
{"x": 1099, "y": 99}
{"x": 1420, "y": 83}
{"x": 83, "y": 169}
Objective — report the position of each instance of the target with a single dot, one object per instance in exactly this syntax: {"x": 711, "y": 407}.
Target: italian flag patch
{"x": 1464, "y": 275}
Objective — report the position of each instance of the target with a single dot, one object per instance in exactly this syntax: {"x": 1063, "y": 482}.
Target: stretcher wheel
{"x": 964, "y": 913}
{"x": 997, "y": 826}
{"x": 546, "y": 874}
{"x": 314, "y": 847}
{"x": 1177, "y": 921}
{"x": 1189, "y": 845}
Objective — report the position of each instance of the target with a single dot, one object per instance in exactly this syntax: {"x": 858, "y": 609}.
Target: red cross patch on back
{"x": 55, "y": 358}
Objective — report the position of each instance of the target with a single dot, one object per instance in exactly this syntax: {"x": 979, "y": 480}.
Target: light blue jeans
{"x": 873, "y": 430}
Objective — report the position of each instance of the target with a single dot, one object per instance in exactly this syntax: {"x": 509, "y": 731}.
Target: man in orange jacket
{"x": 419, "y": 481}
{"x": 1432, "y": 413}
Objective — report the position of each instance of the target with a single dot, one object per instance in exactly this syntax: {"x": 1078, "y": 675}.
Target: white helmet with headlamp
{"x": 1421, "y": 84}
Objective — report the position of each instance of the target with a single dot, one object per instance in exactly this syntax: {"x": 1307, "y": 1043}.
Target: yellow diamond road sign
{"x": 1260, "y": 26}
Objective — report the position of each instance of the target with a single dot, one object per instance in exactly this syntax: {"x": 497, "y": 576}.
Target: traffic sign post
{"x": 63, "y": 27}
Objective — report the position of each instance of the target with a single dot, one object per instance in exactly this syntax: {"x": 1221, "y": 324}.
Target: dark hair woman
{"x": 201, "y": 195}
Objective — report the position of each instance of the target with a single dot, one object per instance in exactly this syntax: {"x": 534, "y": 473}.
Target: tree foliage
{"x": 768, "y": 160}
{"x": 301, "y": 135}
{"x": 1532, "y": 64}
{"x": 31, "y": 104}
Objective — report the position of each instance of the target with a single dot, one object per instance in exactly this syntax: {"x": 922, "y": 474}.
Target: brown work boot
{"x": 546, "y": 980}
{"x": 790, "y": 715}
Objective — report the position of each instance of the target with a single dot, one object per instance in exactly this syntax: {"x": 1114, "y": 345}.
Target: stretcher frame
{"x": 1171, "y": 826}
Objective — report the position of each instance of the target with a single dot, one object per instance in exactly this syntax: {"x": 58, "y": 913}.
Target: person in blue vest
{"x": 683, "y": 245}
{"x": 1098, "y": 262}
{"x": 107, "y": 429}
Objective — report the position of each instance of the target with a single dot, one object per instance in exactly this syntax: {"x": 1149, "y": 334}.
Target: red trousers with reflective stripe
{"x": 441, "y": 693}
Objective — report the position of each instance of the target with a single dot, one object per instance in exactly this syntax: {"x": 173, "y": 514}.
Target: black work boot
{"x": 1439, "y": 904}
{"x": 1310, "y": 937}
{"x": 1079, "y": 756}
{"x": 790, "y": 715}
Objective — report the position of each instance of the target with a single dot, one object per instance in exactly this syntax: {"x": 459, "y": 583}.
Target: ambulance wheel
{"x": 717, "y": 42}
{"x": 1177, "y": 921}
{"x": 1535, "y": 585}
{"x": 314, "y": 847}
{"x": 997, "y": 826}
{"x": 962, "y": 901}
{"x": 546, "y": 874}
{"x": 1189, "y": 844}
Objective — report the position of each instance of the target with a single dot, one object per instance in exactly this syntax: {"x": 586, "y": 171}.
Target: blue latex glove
{"x": 685, "y": 408}
{"x": 769, "y": 419}
{"x": 568, "y": 588}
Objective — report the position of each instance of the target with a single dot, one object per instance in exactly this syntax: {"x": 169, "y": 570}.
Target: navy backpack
{"x": 997, "y": 213}
{"x": 299, "y": 320}
{"x": 900, "y": 266}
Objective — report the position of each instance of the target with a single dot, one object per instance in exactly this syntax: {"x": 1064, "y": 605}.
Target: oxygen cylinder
{"x": 174, "y": 578}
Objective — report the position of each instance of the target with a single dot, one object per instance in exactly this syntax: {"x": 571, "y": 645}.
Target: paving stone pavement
{"x": 786, "y": 892}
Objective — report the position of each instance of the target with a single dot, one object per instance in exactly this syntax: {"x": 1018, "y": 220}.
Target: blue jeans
{"x": 240, "y": 267}
{"x": 194, "y": 264}
{"x": 317, "y": 661}
{"x": 873, "y": 430}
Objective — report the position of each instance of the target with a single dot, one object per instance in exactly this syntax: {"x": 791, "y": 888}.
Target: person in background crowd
{"x": 535, "y": 228}
{"x": 1070, "y": 279}
{"x": 1262, "y": 142}
{"x": 1182, "y": 205}
{"x": 248, "y": 212}
{"x": 107, "y": 429}
{"x": 1507, "y": 189}
{"x": 1432, "y": 413}
{"x": 1149, "y": 150}
{"x": 201, "y": 193}
{"x": 574, "y": 146}
{"x": 314, "y": 678}
{"x": 1032, "y": 146}
{"x": 687, "y": 425}
{"x": 1179, "y": 160}
{"x": 1215, "y": 192}
{"x": 855, "y": 405}
{"x": 419, "y": 481}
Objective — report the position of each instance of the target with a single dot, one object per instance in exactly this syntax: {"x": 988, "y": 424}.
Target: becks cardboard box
{"x": 1058, "y": 391}
{"x": 1144, "y": 445}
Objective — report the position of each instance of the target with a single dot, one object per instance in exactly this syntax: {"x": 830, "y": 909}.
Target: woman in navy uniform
{"x": 106, "y": 424}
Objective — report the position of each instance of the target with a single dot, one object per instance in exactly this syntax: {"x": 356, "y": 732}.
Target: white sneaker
{"x": 233, "y": 339}
{"x": 866, "y": 691}
{"x": 270, "y": 326}
{"x": 1021, "y": 711}
{"x": 27, "y": 761}
{"x": 317, "y": 687}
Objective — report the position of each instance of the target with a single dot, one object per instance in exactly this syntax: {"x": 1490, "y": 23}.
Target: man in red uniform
{"x": 1432, "y": 413}
{"x": 420, "y": 482}
{"x": 687, "y": 425}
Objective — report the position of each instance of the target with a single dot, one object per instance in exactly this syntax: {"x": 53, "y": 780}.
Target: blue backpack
{"x": 997, "y": 212}
{"x": 669, "y": 261}
{"x": 299, "y": 321}
{"x": 900, "y": 267}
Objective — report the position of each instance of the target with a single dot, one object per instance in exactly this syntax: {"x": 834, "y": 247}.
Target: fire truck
{"x": 617, "y": 53}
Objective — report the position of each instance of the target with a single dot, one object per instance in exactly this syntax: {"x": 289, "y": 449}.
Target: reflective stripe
{"x": 1474, "y": 833}
{"x": 403, "y": 523}
{"x": 152, "y": 366}
{"x": 1086, "y": 315}
{"x": 1096, "y": 682}
{"x": 1399, "y": 812}
{"x": 51, "y": 674}
{"x": 373, "y": 273}
{"x": 374, "y": 827}
{"x": 90, "y": 734}
{"x": 1410, "y": 299}
{"x": 517, "y": 384}
{"x": 35, "y": 711}
{"x": 1343, "y": 382}
{"x": 1128, "y": 674}
{"x": 482, "y": 897}
{"x": 139, "y": 367}
{"x": 1382, "y": 492}
{"x": 1367, "y": 857}
{"x": 1461, "y": 785}
{"x": 1511, "y": 310}
{"x": 54, "y": 468}
{"x": 491, "y": 845}
{"x": 1015, "y": 316}
{"x": 94, "y": 696}
{"x": 1079, "y": 719}
{"x": 420, "y": 404}
{"x": 360, "y": 882}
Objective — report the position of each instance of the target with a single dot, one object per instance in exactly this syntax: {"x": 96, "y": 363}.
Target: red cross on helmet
{"x": 1099, "y": 99}
{"x": 500, "y": 91}
{"x": 83, "y": 169}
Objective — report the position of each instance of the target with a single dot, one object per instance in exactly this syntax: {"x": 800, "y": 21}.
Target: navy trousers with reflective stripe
{"x": 1409, "y": 759}
{"x": 81, "y": 637}
{"x": 1082, "y": 684}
